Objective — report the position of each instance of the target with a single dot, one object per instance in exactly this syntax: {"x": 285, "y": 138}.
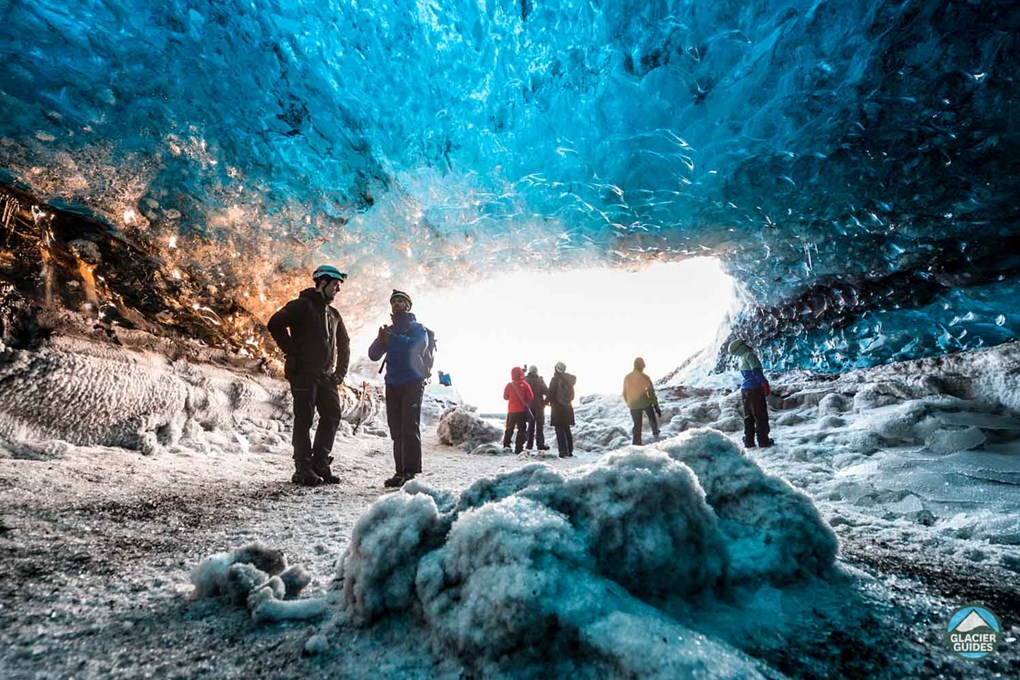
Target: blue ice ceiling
{"x": 855, "y": 164}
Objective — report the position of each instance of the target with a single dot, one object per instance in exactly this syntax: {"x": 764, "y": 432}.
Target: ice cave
{"x": 172, "y": 173}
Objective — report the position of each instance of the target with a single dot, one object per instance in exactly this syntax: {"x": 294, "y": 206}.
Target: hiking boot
{"x": 766, "y": 444}
{"x": 327, "y": 475}
{"x": 306, "y": 478}
{"x": 543, "y": 448}
{"x": 749, "y": 445}
{"x": 321, "y": 468}
{"x": 393, "y": 482}
{"x": 407, "y": 478}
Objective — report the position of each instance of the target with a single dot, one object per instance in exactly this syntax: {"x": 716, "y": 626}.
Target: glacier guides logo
{"x": 973, "y": 632}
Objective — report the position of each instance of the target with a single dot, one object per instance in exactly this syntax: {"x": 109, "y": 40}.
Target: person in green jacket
{"x": 640, "y": 397}
{"x": 753, "y": 392}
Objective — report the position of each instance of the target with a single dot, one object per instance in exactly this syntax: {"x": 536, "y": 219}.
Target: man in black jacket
{"x": 313, "y": 337}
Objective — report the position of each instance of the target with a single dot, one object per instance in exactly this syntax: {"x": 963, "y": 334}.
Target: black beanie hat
{"x": 400, "y": 295}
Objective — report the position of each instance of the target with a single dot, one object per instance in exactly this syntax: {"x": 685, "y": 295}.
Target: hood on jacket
{"x": 313, "y": 295}
{"x": 517, "y": 374}
{"x": 746, "y": 358}
{"x": 738, "y": 347}
{"x": 639, "y": 364}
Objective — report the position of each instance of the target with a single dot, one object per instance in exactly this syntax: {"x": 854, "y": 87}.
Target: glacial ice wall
{"x": 855, "y": 164}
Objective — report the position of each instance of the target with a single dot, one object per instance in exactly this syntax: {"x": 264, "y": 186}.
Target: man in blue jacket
{"x": 404, "y": 343}
{"x": 312, "y": 336}
{"x": 753, "y": 392}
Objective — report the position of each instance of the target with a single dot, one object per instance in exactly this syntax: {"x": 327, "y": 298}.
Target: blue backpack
{"x": 428, "y": 357}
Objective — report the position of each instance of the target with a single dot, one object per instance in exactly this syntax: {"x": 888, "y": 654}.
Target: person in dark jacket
{"x": 753, "y": 392}
{"x": 639, "y": 394}
{"x": 536, "y": 428}
{"x": 404, "y": 344}
{"x": 519, "y": 397}
{"x": 313, "y": 338}
{"x": 561, "y": 410}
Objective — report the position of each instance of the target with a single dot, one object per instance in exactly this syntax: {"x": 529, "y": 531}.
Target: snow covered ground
{"x": 690, "y": 556}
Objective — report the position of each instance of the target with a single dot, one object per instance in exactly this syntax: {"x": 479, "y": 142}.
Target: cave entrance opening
{"x": 594, "y": 320}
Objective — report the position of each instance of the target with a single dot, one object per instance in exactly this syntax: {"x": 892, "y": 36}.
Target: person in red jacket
{"x": 519, "y": 395}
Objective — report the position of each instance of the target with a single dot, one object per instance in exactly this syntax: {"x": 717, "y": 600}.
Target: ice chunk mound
{"x": 537, "y": 560}
{"x": 646, "y": 524}
{"x": 460, "y": 425}
{"x": 772, "y": 531}
{"x": 257, "y": 577}
{"x": 497, "y": 582}
{"x": 378, "y": 569}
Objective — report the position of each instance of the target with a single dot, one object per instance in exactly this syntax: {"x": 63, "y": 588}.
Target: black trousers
{"x": 756, "y": 416}
{"x": 323, "y": 396}
{"x": 403, "y": 415}
{"x": 564, "y": 440}
{"x": 635, "y": 415}
{"x": 536, "y": 428}
{"x": 519, "y": 421}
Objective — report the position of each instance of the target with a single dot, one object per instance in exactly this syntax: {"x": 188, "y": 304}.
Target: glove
{"x": 766, "y": 390}
{"x": 384, "y": 333}
{"x": 658, "y": 411}
{"x": 336, "y": 378}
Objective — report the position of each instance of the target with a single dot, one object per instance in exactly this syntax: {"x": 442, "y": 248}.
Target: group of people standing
{"x": 527, "y": 396}
{"x": 314, "y": 340}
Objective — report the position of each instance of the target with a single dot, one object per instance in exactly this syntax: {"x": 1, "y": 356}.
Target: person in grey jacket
{"x": 312, "y": 336}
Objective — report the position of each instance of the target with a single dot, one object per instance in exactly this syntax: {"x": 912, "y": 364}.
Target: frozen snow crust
{"x": 923, "y": 452}
{"x": 90, "y": 394}
{"x": 544, "y": 566}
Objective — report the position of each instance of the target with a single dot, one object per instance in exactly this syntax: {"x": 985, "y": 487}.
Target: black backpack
{"x": 564, "y": 392}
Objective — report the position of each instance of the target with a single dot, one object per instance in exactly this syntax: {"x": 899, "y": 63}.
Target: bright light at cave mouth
{"x": 594, "y": 320}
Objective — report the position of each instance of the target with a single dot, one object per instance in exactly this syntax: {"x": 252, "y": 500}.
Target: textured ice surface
{"x": 914, "y": 453}
{"x": 90, "y": 395}
{"x": 538, "y": 569}
{"x": 853, "y": 162}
